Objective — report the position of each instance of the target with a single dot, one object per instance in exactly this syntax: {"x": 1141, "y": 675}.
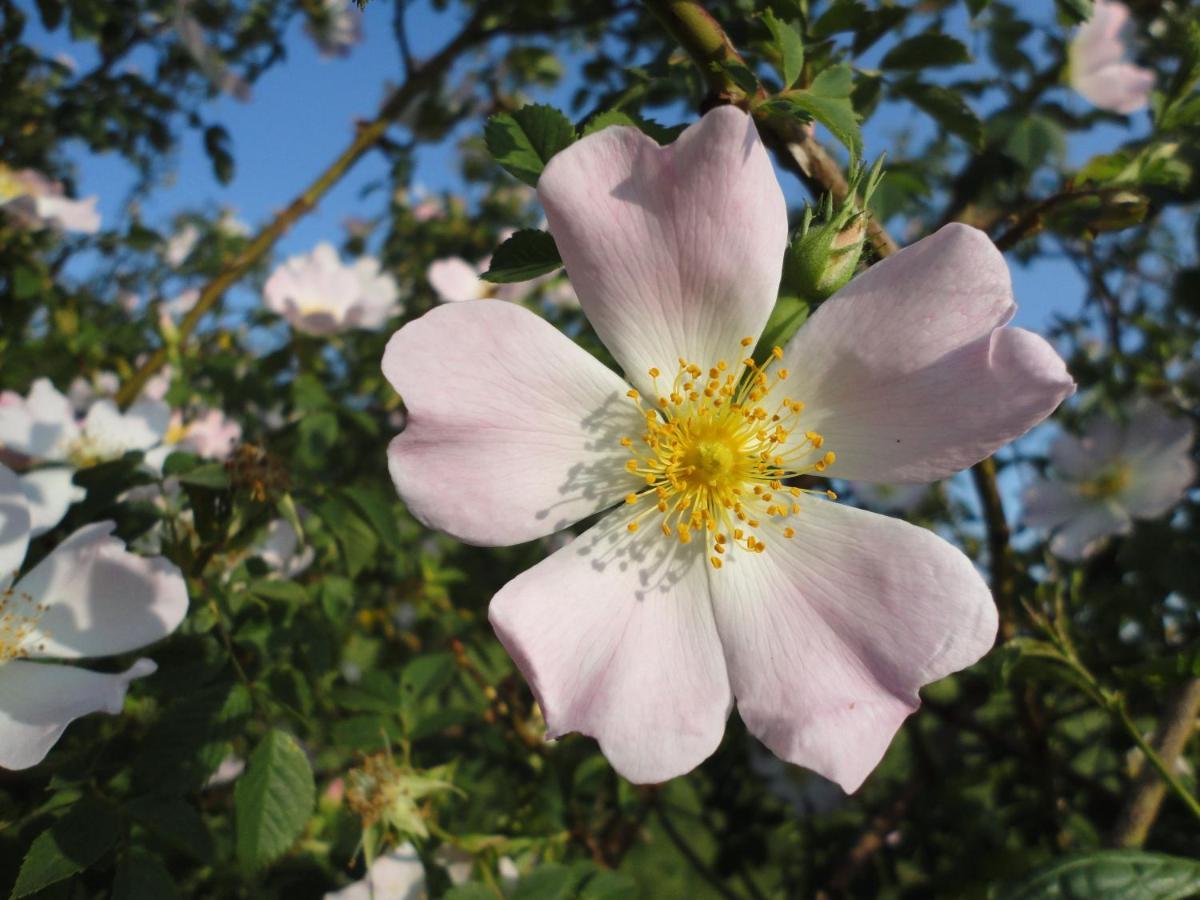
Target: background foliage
{"x": 1012, "y": 781}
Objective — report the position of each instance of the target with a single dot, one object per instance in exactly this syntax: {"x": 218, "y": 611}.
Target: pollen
{"x": 19, "y": 617}
{"x": 719, "y": 446}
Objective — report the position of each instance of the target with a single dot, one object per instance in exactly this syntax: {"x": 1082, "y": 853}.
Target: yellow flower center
{"x": 19, "y": 617}
{"x": 11, "y": 186}
{"x": 1107, "y": 484}
{"x": 717, "y": 449}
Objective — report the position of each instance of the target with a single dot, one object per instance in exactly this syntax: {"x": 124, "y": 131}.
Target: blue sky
{"x": 303, "y": 112}
{"x": 302, "y": 115}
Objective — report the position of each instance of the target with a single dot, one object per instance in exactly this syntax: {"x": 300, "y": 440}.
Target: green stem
{"x": 1118, "y": 710}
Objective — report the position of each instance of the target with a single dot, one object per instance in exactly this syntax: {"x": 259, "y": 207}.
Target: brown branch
{"x": 999, "y": 552}
{"x": 1169, "y": 739}
{"x": 366, "y": 136}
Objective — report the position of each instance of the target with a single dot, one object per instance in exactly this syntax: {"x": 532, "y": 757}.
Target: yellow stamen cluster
{"x": 716, "y": 452}
{"x": 1107, "y": 484}
{"x": 19, "y": 617}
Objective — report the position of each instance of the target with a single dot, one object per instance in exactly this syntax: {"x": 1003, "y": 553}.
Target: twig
{"x": 365, "y": 138}
{"x": 999, "y": 553}
{"x": 401, "y": 32}
{"x": 1170, "y": 737}
{"x": 706, "y": 43}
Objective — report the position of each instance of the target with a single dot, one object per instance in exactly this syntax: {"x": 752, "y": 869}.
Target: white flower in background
{"x": 35, "y": 201}
{"x": 228, "y": 771}
{"x": 455, "y": 280}
{"x": 208, "y": 58}
{"x": 171, "y": 312}
{"x": 400, "y": 875}
{"x": 893, "y": 498}
{"x": 1114, "y": 473}
{"x": 89, "y": 597}
{"x": 280, "y": 550}
{"x": 230, "y": 225}
{"x": 1097, "y": 67}
{"x": 210, "y": 434}
{"x": 336, "y": 27}
{"x": 42, "y": 428}
{"x": 320, "y": 295}
{"x": 180, "y": 245}
{"x": 561, "y": 295}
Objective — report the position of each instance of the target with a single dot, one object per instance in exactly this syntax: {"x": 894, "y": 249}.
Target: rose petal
{"x": 1122, "y": 88}
{"x": 1081, "y": 536}
{"x": 101, "y": 599}
{"x": 39, "y": 701}
{"x": 50, "y": 493}
{"x": 907, "y": 371}
{"x": 673, "y": 251}
{"x": 1049, "y": 504}
{"x": 397, "y": 875}
{"x": 828, "y": 636}
{"x": 39, "y": 425}
{"x": 14, "y": 526}
{"x": 615, "y": 635}
{"x": 455, "y": 280}
{"x": 513, "y": 431}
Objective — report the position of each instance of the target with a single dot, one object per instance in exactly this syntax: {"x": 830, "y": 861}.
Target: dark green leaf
{"x": 789, "y": 46}
{"x": 470, "y": 892}
{"x": 273, "y": 799}
{"x": 946, "y": 107}
{"x": 1034, "y": 141}
{"x": 141, "y": 876}
{"x": 175, "y": 821}
{"x": 524, "y": 141}
{"x": 209, "y": 475}
{"x": 1075, "y": 11}
{"x": 216, "y": 145}
{"x": 68, "y": 846}
{"x": 836, "y": 114}
{"x": 926, "y": 51}
{"x": 836, "y": 82}
{"x": 663, "y": 134}
{"x": 550, "y": 882}
{"x": 739, "y": 75}
{"x": 1116, "y": 874}
{"x": 526, "y": 254}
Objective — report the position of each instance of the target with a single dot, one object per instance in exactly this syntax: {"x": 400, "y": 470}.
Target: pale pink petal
{"x": 1156, "y": 485}
{"x": 397, "y": 875}
{"x": 1084, "y": 457}
{"x": 50, "y": 493}
{"x": 673, "y": 251}
{"x": 455, "y": 280}
{"x": 40, "y": 425}
{"x": 1049, "y": 504}
{"x": 908, "y": 372}
{"x": 615, "y": 635}
{"x": 828, "y": 636}
{"x": 14, "y": 526}
{"x": 1120, "y": 87}
{"x": 39, "y": 701}
{"x": 513, "y": 431}
{"x": 1082, "y": 535}
{"x": 101, "y": 599}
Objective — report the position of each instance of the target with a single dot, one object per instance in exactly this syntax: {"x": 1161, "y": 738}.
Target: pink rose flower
{"x": 1114, "y": 473}
{"x": 35, "y": 201}
{"x": 318, "y": 294}
{"x": 710, "y": 578}
{"x": 1098, "y": 70}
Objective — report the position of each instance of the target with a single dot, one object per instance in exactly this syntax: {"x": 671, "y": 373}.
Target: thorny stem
{"x": 1170, "y": 737}
{"x": 999, "y": 553}
{"x": 366, "y": 137}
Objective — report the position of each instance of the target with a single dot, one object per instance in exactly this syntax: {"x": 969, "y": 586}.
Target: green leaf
{"x": 472, "y": 891}
{"x": 1124, "y": 874}
{"x": 609, "y": 886}
{"x": 273, "y": 799}
{"x": 194, "y": 733}
{"x": 789, "y": 45}
{"x": 1075, "y": 11}
{"x": 355, "y": 537}
{"x": 141, "y": 876}
{"x": 663, "y": 134}
{"x": 842, "y": 15}
{"x": 216, "y": 145}
{"x": 526, "y": 254}
{"x": 946, "y": 108}
{"x": 209, "y": 475}
{"x": 175, "y": 821}
{"x": 836, "y": 114}
{"x": 68, "y": 846}
{"x": 835, "y": 82}
{"x": 1034, "y": 141}
{"x": 281, "y": 591}
{"x": 380, "y": 512}
{"x": 926, "y": 51}
{"x": 524, "y": 141}
{"x": 553, "y": 881}
{"x": 738, "y": 74}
